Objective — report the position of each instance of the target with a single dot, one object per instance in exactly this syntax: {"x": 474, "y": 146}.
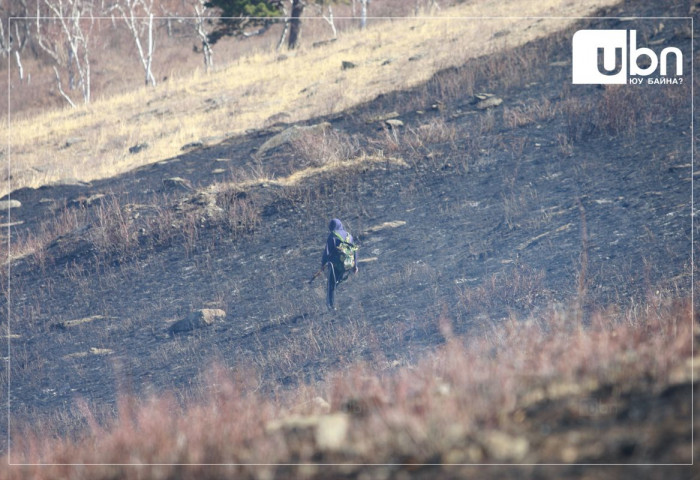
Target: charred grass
{"x": 538, "y": 379}
{"x": 496, "y": 382}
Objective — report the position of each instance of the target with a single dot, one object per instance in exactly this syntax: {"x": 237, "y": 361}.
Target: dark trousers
{"x": 336, "y": 274}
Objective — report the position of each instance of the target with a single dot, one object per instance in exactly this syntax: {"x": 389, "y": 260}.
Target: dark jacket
{"x": 330, "y": 254}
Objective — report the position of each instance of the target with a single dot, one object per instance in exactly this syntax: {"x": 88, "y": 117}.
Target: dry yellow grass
{"x": 247, "y": 92}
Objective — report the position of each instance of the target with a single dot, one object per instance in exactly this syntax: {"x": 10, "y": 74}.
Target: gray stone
{"x": 5, "y": 204}
{"x": 383, "y": 117}
{"x": 177, "y": 182}
{"x": 197, "y": 319}
{"x": 489, "y": 102}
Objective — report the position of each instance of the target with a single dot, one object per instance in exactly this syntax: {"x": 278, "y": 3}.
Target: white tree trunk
{"x": 19, "y": 65}
{"x": 60, "y": 88}
{"x": 200, "y": 10}
{"x": 136, "y": 26}
{"x": 363, "y": 18}
{"x": 75, "y": 22}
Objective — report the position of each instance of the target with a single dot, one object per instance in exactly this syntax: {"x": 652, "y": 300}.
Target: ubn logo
{"x": 601, "y": 56}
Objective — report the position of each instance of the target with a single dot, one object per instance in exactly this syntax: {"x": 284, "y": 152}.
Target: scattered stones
{"x": 218, "y": 171}
{"x": 290, "y": 134}
{"x": 197, "y": 319}
{"x": 177, "y": 183}
{"x": 138, "y": 148}
{"x": 7, "y": 204}
{"x": 394, "y": 123}
{"x": 347, "y": 65}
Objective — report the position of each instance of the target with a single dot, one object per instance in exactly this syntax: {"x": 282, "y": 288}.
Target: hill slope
{"x": 562, "y": 198}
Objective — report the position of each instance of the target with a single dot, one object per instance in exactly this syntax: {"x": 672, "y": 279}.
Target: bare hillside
{"x": 524, "y": 293}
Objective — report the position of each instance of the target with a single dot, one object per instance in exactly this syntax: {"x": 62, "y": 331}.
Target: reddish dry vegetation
{"x": 546, "y": 390}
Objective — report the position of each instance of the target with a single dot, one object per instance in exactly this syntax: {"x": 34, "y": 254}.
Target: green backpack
{"x": 346, "y": 253}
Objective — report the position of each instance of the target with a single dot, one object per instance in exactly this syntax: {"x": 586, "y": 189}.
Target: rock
{"x": 385, "y": 225}
{"x": 84, "y": 201}
{"x": 177, "y": 183}
{"x": 197, "y": 319}
{"x": 383, "y": 117}
{"x": 192, "y": 145}
{"x": 347, "y": 65}
{"x": 137, "y": 148}
{"x": 6, "y": 204}
{"x": 489, "y": 102}
{"x": 101, "y": 351}
{"x": 290, "y": 134}
{"x": 394, "y": 123}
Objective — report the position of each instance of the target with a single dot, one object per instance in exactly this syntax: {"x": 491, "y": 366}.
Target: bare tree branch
{"x": 74, "y": 21}
{"x": 136, "y": 25}
{"x": 60, "y": 88}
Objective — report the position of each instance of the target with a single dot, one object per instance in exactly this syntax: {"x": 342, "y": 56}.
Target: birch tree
{"x": 138, "y": 16}
{"x": 201, "y": 16}
{"x": 13, "y": 42}
{"x": 363, "y": 14}
{"x": 64, "y": 35}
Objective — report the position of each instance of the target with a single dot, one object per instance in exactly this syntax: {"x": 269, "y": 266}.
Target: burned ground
{"x": 561, "y": 195}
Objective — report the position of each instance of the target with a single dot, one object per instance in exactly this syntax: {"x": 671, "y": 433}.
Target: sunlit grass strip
{"x": 395, "y": 54}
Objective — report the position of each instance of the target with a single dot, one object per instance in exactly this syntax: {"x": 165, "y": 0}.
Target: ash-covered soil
{"x": 562, "y": 193}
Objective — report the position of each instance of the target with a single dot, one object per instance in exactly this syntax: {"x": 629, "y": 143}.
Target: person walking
{"x": 340, "y": 256}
